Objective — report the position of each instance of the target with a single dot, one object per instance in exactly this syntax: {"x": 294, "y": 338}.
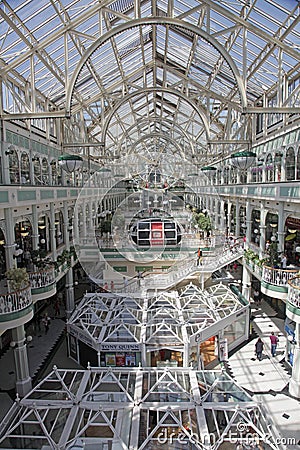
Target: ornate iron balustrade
{"x": 42, "y": 278}
{"x": 278, "y": 277}
{"x": 15, "y": 301}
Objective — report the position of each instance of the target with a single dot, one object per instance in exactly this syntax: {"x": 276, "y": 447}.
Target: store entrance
{"x": 207, "y": 351}
{"x": 166, "y": 357}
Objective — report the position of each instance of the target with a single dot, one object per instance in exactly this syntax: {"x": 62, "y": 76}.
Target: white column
{"x": 23, "y": 379}
{"x": 70, "y": 302}
{"x": 248, "y": 223}
{"x": 237, "y": 219}
{"x": 294, "y": 385}
{"x": 10, "y": 238}
{"x": 66, "y": 226}
{"x": 246, "y": 287}
{"x": 35, "y": 229}
{"x": 52, "y": 232}
{"x": 281, "y": 222}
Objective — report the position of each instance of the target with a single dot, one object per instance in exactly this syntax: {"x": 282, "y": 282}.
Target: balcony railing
{"x": 278, "y": 277}
{"x": 42, "y": 278}
{"x": 15, "y": 301}
{"x": 294, "y": 291}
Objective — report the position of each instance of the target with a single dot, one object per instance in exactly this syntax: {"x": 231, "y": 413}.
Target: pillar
{"x": 70, "y": 301}
{"x": 52, "y": 232}
{"x": 66, "y": 226}
{"x": 237, "y": 219}
{"x": 248, "y": 224}
{"x": 294, "y": 384}
{"x": 10, "y": 245}
{"x": 23, "y": 379}
{"x": 262, "y": 240}
{"x": 281, "y": 223}
{"x": 35, "y": 229}
{"x": 246, "y": 286}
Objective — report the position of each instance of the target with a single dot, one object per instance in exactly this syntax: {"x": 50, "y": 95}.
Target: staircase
{"x": 186, "y": 268}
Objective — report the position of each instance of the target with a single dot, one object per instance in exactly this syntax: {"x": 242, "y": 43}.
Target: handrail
{"x": 42, "y": 278}
{"x": 15, "y": 301}
{"x": 294, "y": 291}
{"x": 183, "y": 268}
{"x": 278, "y": 277}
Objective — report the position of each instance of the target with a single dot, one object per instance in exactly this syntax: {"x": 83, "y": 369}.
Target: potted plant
{"x": 17, "y": 278}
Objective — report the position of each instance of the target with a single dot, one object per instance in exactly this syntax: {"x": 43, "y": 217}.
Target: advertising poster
{"x": 223, "y": 350}
{"x": 157, "y": 233}
{"x": 110, "y": 359}
{"x": 130, "y": 359}
{"x": 120, "y": 359}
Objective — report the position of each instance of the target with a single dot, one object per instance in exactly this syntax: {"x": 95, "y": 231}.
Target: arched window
{"x": 45, "y": 171}
{"x": 226, "y": 175}
{"x": 298, "y": 165}
{"x": 37, "y": 170}
{"x": 233, "y": 175}
{"x": 25, "y": 173}
{"x": 269, "y": 168}
{"x": 290, "y": 164}
{"x": 54, "y": 173}
{"x": 14, "y": 172}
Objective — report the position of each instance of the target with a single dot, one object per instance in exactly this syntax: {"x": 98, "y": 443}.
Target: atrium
{"x": 149, "y": 204}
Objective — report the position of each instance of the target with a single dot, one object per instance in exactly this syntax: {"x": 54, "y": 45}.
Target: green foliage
{"x": 202, "y": 220}
{"x": 18, "y": 278}
{"x": 273, "y": 259}
{"x": 40, "y": 259}
{"x": 250, "y": 255}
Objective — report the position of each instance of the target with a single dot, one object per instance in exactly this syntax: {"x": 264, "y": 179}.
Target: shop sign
{"x": 293, "y": 222}
{"x": 120, "y": 347}
{"x": 81, "y": 336}
{"x": 223, "y": 350}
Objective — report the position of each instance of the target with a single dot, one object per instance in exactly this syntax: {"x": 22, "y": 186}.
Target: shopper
{"x": 256, "y": 296}
{"x": 199, "y": 256}
{"x": 283, "y": 261}
{"x": 259, "y": 348}
{"x": 139, "y": 277}
{"x": 46, "y": 322}
{"x": 274, "y": 341}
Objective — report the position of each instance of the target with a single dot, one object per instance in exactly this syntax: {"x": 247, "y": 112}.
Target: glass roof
{"x": 183, "y": 68}
{"x": 116, "y": 407}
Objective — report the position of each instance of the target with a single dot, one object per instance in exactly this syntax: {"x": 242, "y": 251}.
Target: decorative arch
{"x": 155, "y": 21}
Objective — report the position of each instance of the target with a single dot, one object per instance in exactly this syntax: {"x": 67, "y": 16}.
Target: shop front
{"x": 292, "y": 241}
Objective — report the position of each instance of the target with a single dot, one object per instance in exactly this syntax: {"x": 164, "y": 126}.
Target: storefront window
{"x": 290, "y": 164}
{"x": 14, "y": 173}
{"x": 45, "y": 171}
{"x": 269, "y": 168}
{"x": 235, "y": 330}
{"x": 25, "y": 174}
{"x": 37, "y": 171}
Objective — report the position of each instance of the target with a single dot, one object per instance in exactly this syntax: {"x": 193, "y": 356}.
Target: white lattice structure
{"x": 137, "y": 409}
{"x": 170, "y": 320}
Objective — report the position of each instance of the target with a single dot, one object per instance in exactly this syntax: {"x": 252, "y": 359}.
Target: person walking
{"x": 112, "y": 286}
{"x": 259, "y": 348}
{"x": 139, "y": 277}
{"x": 256, "y": 297}
{"x": 199, "y": 256}
{"x": 125, "y": 281}
{"x": 274, "y": 341}
{"x": 46, "y": 322}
